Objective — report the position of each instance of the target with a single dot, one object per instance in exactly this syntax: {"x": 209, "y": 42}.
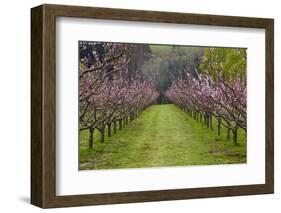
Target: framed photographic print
{"x": 137, "y": 106}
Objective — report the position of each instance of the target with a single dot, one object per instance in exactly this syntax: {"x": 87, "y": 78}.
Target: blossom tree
{"x": 107, "y": 95}
{"x": 219, "y": 91}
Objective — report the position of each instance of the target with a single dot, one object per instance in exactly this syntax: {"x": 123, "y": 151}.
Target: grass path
{"x": 163, "y": 136}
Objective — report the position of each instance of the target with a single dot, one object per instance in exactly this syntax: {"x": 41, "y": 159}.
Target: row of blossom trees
{"x": 108, "y": 96}
{"x": 219, "y": 91}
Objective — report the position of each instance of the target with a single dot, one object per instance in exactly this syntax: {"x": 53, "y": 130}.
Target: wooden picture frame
{"x": 43, "y": 105}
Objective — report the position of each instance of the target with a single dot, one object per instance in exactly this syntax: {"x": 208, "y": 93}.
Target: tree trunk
{"x": 205, "y": 120}
{"x": 114, "y": 127}
{"x": 91, "y": 138}
{"x": 109, "y": 130}
{"x": 120, "y": 124}
{"x": 102, "y": 135}
{"x": 211, "y": 122}
{"x": 140, "y": 112}
{"x": 228, "y": 134}
{"x": 219, "y": 127}
{"x": 126, "y": 120}
{"x": 235, "y": 135}
{"x": 228, "y": 131}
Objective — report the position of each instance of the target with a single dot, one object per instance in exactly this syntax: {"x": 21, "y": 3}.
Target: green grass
{"x": 163, "y": 136}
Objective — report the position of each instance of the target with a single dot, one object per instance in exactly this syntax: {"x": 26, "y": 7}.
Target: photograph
{"x": 161, "y": 105}
{"x": 141, "y": 105}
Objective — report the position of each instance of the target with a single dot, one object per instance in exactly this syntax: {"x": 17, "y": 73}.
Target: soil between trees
{"x": 163, "y": 136}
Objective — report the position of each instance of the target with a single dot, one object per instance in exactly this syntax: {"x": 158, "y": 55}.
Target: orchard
{"x": 146, "y": 105}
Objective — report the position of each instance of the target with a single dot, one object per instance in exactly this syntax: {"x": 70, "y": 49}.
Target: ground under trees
{"x": 163, "y": 135}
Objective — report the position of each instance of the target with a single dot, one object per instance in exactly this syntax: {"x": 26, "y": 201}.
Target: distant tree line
{"x": 169, "y": 63}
